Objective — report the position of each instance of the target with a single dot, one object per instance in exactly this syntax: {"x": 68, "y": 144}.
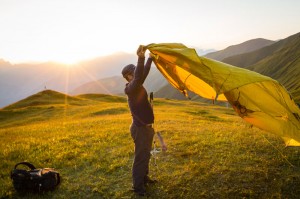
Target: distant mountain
{"x": 281, "y": 61}
{"x": 18, "y": 81}
{"x": 241, "y": 48}
{"x": 169, "y": 92}
{"x": 110, "y": 85}
{"x": 251, "y": 58}
{"x": 202, "y": 52}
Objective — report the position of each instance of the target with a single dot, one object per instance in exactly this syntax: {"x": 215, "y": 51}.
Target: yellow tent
{"x": 258, "y": 99}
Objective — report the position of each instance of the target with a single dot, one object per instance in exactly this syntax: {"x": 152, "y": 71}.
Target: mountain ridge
{"x": 245, "y": 47}
{"x": 250, "y": 58}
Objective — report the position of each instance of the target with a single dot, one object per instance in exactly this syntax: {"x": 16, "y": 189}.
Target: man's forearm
{"x": 147, "y": 68}
{"x": 138, "y": 73}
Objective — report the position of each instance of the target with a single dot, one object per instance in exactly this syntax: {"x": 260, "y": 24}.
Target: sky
{"x": 69, "y": 31}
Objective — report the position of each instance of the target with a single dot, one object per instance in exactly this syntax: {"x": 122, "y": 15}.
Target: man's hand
{"x": 141, "y": 51}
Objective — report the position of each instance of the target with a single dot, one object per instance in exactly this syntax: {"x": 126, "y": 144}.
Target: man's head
{"x": 128, "y": 72}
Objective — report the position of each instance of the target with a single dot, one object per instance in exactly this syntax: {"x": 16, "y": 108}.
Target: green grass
{"x": 211, "y": 153}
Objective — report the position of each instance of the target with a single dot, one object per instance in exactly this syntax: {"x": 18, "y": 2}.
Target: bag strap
{"x": 27, "y": 164}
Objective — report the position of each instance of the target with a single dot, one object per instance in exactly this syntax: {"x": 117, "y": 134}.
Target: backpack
{"x": 34, "y": 180}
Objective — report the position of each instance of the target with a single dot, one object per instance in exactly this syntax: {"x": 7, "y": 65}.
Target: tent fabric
{"x": 258, "y": 99}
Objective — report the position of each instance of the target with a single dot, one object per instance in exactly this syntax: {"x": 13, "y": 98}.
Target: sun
{"x": 68, "y": 60}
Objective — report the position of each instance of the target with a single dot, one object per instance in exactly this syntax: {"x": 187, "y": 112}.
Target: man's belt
{"x": 149, "y": 125}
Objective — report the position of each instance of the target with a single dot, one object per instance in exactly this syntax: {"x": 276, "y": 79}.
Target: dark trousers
{"x": 142, "y": 137}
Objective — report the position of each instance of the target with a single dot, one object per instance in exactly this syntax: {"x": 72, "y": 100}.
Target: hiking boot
{"x": 142, "y": 193}
{"x": 148, "y": 180}
{"x": 138, "y": 192}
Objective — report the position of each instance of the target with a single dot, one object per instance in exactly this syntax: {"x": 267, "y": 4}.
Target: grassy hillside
{"x": 284, "y": 66}
{"x": 45, "y": 97}
{"x": 211, "y": 153}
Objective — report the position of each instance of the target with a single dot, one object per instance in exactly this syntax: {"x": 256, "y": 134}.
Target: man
{"x": 141, "y": 129}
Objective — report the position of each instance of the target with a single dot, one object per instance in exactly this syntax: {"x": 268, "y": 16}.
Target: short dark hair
{"x": 127, "y": 70}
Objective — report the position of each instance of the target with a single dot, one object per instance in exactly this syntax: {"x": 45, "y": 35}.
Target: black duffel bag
{"x": 34, "y": 180}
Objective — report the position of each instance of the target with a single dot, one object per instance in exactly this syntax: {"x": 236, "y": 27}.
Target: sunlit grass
{"x": 211, "y": 153}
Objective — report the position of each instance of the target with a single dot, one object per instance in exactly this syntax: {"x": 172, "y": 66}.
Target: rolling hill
{"x": 51, "y": 97}
{"x": 45, "y": 97}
